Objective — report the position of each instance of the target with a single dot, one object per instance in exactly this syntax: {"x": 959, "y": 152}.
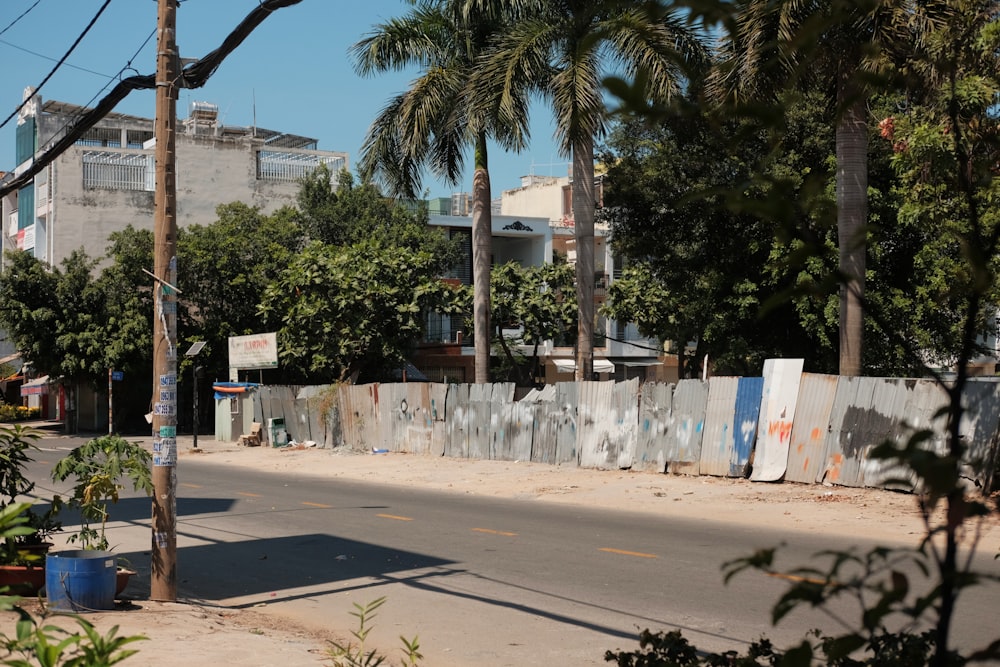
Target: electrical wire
{"x": 23, "y": 14}
{"x": 128, "y": 66}
{"x": 194, "y": 75}
{"x": 50, "y": 58}
{"x": 59, "y": 64}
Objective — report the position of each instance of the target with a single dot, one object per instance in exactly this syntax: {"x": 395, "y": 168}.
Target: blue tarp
{"x": 232, "y": 389}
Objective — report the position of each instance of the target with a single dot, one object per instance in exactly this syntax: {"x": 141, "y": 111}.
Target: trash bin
{"x": 276, "y": 431}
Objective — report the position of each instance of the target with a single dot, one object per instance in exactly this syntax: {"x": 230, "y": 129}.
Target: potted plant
{"x": 22, "y": 565}
{"x": 99, "y": 469}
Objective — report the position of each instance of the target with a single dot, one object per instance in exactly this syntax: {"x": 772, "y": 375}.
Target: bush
{"x": 17, "y": 413}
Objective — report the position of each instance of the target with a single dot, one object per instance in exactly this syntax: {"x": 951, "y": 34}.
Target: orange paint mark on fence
{"x": 816, "y": 434}
{"x": 780, "y": 428}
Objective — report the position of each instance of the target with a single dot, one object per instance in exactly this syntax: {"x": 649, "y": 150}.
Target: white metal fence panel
{"x": 655, "y": 421}
{"x": 777, "y": 413}
{"x": 690, "y": 403}
{"x": 718, "y": 442}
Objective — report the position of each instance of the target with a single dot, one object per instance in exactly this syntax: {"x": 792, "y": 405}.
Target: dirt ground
{"x": 193, "y": 633}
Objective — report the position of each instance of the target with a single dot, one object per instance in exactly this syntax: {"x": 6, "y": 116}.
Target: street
{"x": 479, "y": 580}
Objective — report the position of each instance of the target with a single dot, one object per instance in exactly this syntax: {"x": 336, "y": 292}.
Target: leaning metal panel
{"x": 807, "y": 451}
{"x": 777, "y": 413}
{"x": 717, "y": 444}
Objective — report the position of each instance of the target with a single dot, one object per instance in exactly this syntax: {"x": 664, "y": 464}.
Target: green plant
{"x": 99, "y": 468}
{"x": 16, "y": 442}
{"x": 37, "y": 642}
{"x": 354, "y": 654}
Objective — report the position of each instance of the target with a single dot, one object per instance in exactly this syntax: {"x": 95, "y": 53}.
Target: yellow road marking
{"x": 637, "y": 554}
{"x": 494, "y": 532}
{"x": 246, "y": 493}
{"x": 191, "y": 486}
{"x": 393, "y": 516}
{"x": 321, "y": 505}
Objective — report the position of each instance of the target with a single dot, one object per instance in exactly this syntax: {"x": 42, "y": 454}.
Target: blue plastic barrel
{"x": 80, "y": 580}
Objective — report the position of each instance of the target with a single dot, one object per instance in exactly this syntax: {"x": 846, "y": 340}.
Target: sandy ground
{"x": 190, "y": 633}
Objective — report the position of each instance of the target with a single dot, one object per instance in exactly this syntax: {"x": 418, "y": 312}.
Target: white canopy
{"x": 569, "y": 365}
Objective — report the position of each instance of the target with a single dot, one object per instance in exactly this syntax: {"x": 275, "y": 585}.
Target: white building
{"x": 106, "y": 180}
{"x": 619, "y": 349}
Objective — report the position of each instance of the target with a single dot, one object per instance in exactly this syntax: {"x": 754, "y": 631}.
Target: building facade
{"x": 106, "y": 180}
{"x": 620, "y": 351}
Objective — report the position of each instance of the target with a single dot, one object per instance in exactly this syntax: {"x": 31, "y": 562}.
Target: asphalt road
{"x": 480, "y": 581}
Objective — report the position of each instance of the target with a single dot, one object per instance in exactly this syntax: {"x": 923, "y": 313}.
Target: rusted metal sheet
{"x": 457, "y": 421}
{"x": 309, "y": 408}
{"x": 512, "y": 437}
{"x": 608, "y": 413}
{"x": 438, "y": 394}
{"x": 655, "y": 421}
{"x": 718, "y": 443}
{"x": 479, "y": 411}
{"x": 690, "y": 402}
{"x": 807, "y": 450}
{"x": 866, "y": 412}
{"x": 978, "y": 427}
{"x": 777, "y": 413}
{"x": 920, "y": 402}
{"x": 567, "y": 438}
{"x": 357, "y": 414}
{"x": 745, "y": 424}
{"x": 412, "y": 416}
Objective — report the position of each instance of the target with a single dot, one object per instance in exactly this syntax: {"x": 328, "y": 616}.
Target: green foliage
{"x": 99, "y": 468}
{"x": 709, "y": 253}
{"x": 539, "y": 300}
{"x": 936, "y": 271}
{"x": 16, "y": 443}
{"x": 38, "y": 643}
{"x": 17, "y": 413}
{"x": 225, "y": 267}
{"x": 355, "y": 654}
{"x": 352, "y": 213}
{"x": 343, "y": 311}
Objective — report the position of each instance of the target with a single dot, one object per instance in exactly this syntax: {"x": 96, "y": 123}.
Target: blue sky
{"x": 294, "y": 69}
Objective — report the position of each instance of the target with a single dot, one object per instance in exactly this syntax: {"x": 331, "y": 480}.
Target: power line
{"x": 23, "y": 14}
{"x": 54, "y": 69}
{"x": 194, "y": 75}
{"x": 50, "y": 58}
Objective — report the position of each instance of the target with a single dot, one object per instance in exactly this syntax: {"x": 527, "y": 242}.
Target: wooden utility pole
{"x": 163, "y": 578}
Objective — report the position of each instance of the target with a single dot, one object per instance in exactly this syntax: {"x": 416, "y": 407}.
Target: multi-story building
{"x": 106, "y": 180}
{"x": 620, "y": 352}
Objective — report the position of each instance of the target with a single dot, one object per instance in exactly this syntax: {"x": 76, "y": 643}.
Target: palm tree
{"x": 846, "y": 47}
{"x": 562, "y": 48}
{"x": 437, "y": 119}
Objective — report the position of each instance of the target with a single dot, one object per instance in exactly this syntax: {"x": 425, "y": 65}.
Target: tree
{"x": 538, "y": 300}
{"x": 56, "y": 319}
{"x": 701, "y": 267}
{"x": 768, "y": 47}
{"x": 341, "y": 312}
{"x": 945, "y": 145}
{"x": 227, "y": 266}
{"x": 354, "y": 212}
{"x": 433, "y": 122}
{"x": 559, "y": 48}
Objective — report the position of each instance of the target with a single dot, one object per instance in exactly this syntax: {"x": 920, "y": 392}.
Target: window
{"x": 106, "y": 170}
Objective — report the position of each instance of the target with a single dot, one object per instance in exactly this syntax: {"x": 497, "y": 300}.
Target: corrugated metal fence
{"x": 789, "y": 425}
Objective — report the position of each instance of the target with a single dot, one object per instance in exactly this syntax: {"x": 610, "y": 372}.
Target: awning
{"x": 36, "y": 387}
{"x": 639, "y": 362}
{"x": 10, "y": 357}
{"x": 569, "y": 366}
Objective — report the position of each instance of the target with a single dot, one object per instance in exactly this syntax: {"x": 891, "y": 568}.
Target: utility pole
{"x": 163, "y": 577}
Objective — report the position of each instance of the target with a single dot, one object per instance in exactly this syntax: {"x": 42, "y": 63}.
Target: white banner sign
{"x": 253, "y": 351}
